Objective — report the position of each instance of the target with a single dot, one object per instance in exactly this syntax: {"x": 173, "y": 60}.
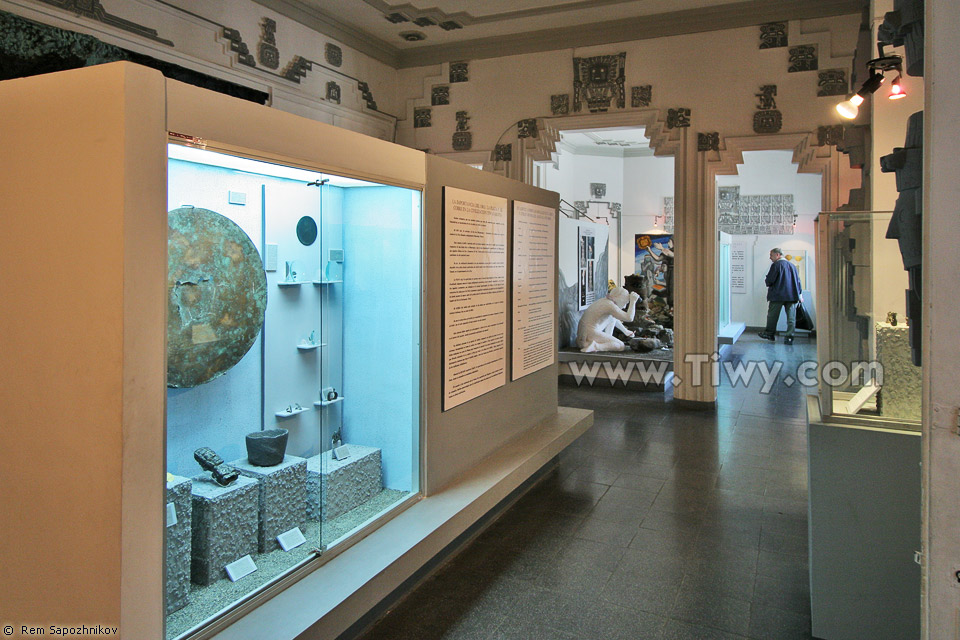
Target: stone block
{"x": 902, "y": 382}
{"x": 282, "y": 496}
{"x": 177, "y": 578}
{"x": 224, "y": 525}
{"x": 337, "y": 486}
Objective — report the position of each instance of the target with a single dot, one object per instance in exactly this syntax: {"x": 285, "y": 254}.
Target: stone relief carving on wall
{"x": 503, "y": 152}
{"x": 830, "y": 136}
{"x": 440, "y": 95}
{"x": 803, "y": 58}
{"x": 708, "y": 141}
{"x": 459, "y": 72}
{"x": 421, "y": 117}
{"x": 598, "y": 190}
{"x": 333, "y": 55}
{"x": 759, "y": 215}
{"x": 641, "y": 96}
{"x": 462, "y": 138}
{"x": 831, "y": 82}
{"x": 768, "y": 119}
{"x": 599, "y": 81}
{"x": 267, "y": 52}
{"x": 94, "y": 10}
{"x": 333, "y": 92}
{"x": 678, "y": 118}
{"x": 773, "y": 35}
{"x": 560, "y": 104}
{"x": 527, "y": 128}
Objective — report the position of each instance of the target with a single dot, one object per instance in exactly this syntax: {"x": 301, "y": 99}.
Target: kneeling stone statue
{"x": 595, "y": 331}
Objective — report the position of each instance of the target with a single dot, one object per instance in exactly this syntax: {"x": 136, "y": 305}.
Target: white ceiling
{"x": 614, "y": 142}
{"x": 472, "y": 29}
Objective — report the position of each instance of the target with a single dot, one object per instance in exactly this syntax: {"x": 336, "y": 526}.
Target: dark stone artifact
{"x": 332, "y": 395}
{"x": 678, "y": 118}
{"x": 266, "y": 448}
{"x": 207, "y": 458}
{"x": 892, "y": 318}
{"x": 560, "y": 104}
{"x": 217, "y": 296}
{"x": 803, "y": 58}
{"x": 599, "y": 81}
{"x": 307, "y": 231}
{"x": 773, "y": 35}
{"x": 641, "y": 96}
{"x": 644, "y": 345}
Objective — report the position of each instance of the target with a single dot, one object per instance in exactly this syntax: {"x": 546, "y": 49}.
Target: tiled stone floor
{"x": 659, "y": 523}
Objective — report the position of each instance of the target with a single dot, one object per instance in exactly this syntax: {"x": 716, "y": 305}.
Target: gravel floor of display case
{"x": 206, "y": 601}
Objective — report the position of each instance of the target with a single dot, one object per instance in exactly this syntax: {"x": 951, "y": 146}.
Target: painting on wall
{"x": 653, "y": 257}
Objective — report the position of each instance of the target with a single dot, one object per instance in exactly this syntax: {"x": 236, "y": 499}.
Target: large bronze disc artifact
{"x": 217, "y": 295}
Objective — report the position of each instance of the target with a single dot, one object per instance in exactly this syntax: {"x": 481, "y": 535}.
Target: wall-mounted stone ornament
{"x": 832, "y": 82}
{"x": 708, "y": 141}
{"x": 803, "y": 58}
{"x": 768, "y": 119}
{"x": 773, "y": 35}
{"x": 421, "y": 117}
{"x": 599, "y": 81}
{"x": 333, "y": 55}
{"x": 459, "y": 72}
{"x": 678, "y": 118}
{"x": 440, "y": 95}
{"x": 560, "y": 104}
{"x": 462, "y": 138}
{"x": 333, "y": 92}
{"x": 239, "y": 47}
{"x": 297, "y": 69}
{"x": 424, "y": 21}
{"x": 267, "y": 52}
{"x": 527, "y": 128}
{"x": 94, "y": 10}
{"x": 366, "y": 95}
{"x": 397, "y": 18}
{"x": 641, "y": 96}
{"x": 580, "y": 206}
{"x": 754, "y": 215}
{"x": 598, "y": 190}
{"x": 450, "y": 25}
{"x": 830, "y": 136}
{"x": 503, "y": 152}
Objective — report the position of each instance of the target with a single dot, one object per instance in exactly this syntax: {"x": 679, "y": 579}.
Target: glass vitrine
{"x": 866, "y": 352}
{"x": 293, "y": 354}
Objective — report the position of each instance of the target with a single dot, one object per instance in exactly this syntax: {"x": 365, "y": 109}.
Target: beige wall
{"x": 941, "y": 349}
{"x": 82, "y": 388}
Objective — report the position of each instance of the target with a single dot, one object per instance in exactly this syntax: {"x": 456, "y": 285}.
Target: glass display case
{"x": 866, "y": 365}
{"x": 293, "y": 355}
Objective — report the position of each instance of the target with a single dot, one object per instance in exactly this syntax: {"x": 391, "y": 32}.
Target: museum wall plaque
{"x": 474, "y": 295}
{"x": 534, "y": 288}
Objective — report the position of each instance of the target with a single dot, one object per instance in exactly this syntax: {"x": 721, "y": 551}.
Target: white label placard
{"x": 474, "y": 295}
{"x": 534, "y": 288}
{"x": 270, "y": 258}
{"x": 171, "y": 514}
{"x": 291, "y": 539}
{"x": 738, "y": 267}
{"x": 240, "y": 568}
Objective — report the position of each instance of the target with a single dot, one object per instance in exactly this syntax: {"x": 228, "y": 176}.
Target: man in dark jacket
{"x": 783, "y": 292}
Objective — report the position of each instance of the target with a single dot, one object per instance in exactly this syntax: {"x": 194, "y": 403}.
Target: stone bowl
{"x": 266, "y": 448}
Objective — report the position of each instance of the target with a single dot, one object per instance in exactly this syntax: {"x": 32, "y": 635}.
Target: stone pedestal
{"x": 337, "y": 486}
{"x": 282, "y": 495}
{"x": 177, "y": 577}
{"x": 224, "y": 525}
{"x": 902, "y": 381}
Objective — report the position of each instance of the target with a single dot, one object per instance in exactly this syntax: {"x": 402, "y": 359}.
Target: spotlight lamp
{"x": 878, "y": 66}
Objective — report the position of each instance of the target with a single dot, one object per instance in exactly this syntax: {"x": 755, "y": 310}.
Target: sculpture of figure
{"x": 595, "y": 331}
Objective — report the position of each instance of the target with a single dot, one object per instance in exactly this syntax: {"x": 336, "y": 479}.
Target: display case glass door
{"x": 293, "y": 371}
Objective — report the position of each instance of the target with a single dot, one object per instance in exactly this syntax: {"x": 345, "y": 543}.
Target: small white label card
{"x": 171, "y": 514}
{"x": 341, "y": 452}
{"x": 236, "y": 197}
{"x": 240, "y": 568}
{"x": 270, "y": 259}
{"x": 291, "y": 539}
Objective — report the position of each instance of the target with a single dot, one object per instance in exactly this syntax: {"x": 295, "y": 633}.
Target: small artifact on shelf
{"x": 290, "y": 274}
{"x": 892, "y": 318}
{"x": 336, "y": 439}
{"x": 338, "y": 450}
{"x": 332, "y": 394}
{"x": 644, "y": 345}
{"x": 207, "y": 458}
{"x": 266, "y": 448}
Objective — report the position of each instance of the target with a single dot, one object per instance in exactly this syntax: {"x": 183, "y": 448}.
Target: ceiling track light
{"x": 878, "y": 66}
